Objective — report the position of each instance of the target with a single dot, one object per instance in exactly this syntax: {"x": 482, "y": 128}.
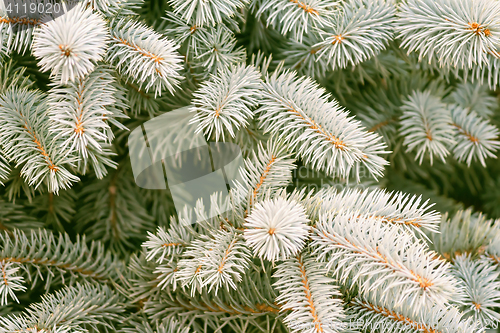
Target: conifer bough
{"x": 366, "y": 199}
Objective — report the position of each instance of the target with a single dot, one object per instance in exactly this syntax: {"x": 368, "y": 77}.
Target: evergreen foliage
{"x": 363, "y": 195}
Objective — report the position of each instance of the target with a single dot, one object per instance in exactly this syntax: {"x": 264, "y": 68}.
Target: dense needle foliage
{"x": 367, "y": 198}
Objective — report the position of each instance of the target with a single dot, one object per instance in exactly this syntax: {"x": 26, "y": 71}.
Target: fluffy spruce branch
{"x": 304, "y": 57}
{"x": 216, "y": 50}
{"x": 142, "y": 102}
{"x": 81, "y": 115}
{"x": 493, "y": 248}
{"x": 489, "y": 73}
{"x": 432, "y": 128}
{"x": 214, "y": 261}
{"x": 16, "y": 32}
{"x": 52, "y": 209}
{"x": 209, "y": 315}
{"x": 144, "y": 56}
{"x": 382, "y": 258}
{"x": 226, "y": 102}
{"x": 378, "y": 71}
{"x": 207, "y": 49}
{"x": 111, "y": 98}
{"x": 52, "y": 258}
{"x": 310, "y": 296}
{"x": 464, "y": 233}
{"x": 14, "y": 216}
{"x": 113, "y": 211}
{"x": 269, "y": 169}
{"x": 213, "y": 214}
{"x": 394, "y": 208}
{"x": 480, "y": 294}
{"x": 455, "y": 33}
{"x": 262, "y": 62}
{"x": 167, "y": 243}
{"x": 167, "y": 275}
{"x": 199, "y": 44}
{"x": 110, "y": 8}
{"x": 202, "y": 13}
{"x": 11, "y": 75}
{"x": 11, "y": 283}
{"x": 489, "y": 196}
{"x": 160, "y": 206}
{"x": 26, "y": 140}
{"x": 16, "y": 187}
{"x": 380, "y": 104}
{"x": 247, "y": 309}
{"x": 138, "y": 282}
{"x": 220, "y": 213}
{"x": 319, "y": 130}
{"x": 171, "y": 138}
{"x": 156, "y": 267}
{"x": 183, "y": 32}
{"x": 295, "y": 17}
{"x": 276, "y": 229}
{"x": 78, "y": 308}
{"x": 258, "y": 37}
{"x": 249, "y": 138}
{"x": 71, "y": 44}
{"x": 473, "y": 96}
{"x": 425, "y": 126}
{"x": 476, "y": 138}
{"x": 376, "y": 314}
{"x": 363, "y": 30}
{"x": 4, "y": 169}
